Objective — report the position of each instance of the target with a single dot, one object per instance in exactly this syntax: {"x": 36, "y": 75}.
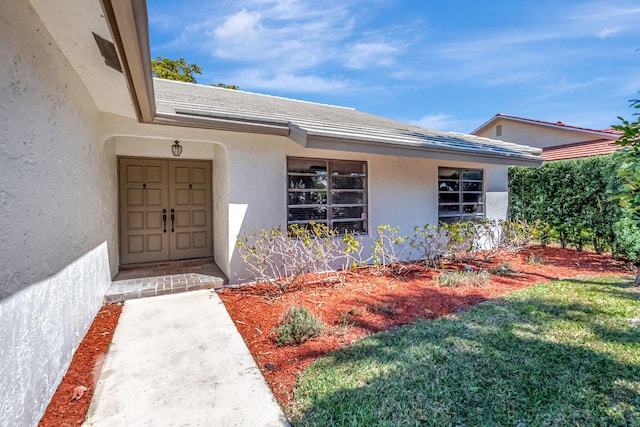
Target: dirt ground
{"x": 364, "y": 302}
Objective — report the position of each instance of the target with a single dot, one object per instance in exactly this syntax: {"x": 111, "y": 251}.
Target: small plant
{"x": 296, "y": 326}
{"x": 388, "y": 247}
{"x": 534, "y": 259}
{"x": 430, "y": 243}
{"x": 354, "y": 252}
{"x": 503, "y": 269}
{"x": 461, "y": 240}
{"x": 470, "y": 278}
{"x": 386, "y": 309}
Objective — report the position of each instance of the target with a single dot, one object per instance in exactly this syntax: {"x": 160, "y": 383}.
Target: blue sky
{"x": 446, "y": 65}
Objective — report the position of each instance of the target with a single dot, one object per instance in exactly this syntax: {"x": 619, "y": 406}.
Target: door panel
{"x": 190, "y": 188}
{"x": 179, "y": 189}
{"x": 143, "y": 195}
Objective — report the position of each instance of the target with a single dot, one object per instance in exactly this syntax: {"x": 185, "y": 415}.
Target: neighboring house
{"x": 88, "y": 174}
{"x": 557, "y": 140}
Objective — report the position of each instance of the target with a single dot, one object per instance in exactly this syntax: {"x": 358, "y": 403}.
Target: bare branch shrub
{"x": 279, "y": 257}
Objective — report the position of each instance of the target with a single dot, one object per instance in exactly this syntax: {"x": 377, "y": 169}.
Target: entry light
{"x": 176, "y": 148}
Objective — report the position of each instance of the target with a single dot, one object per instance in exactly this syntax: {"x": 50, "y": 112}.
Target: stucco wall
{"x": 402, "y": 190}
{"x": 59, "y": 211}
{"x": 535, "y": 135}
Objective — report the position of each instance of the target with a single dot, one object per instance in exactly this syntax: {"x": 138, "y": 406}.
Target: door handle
{"x": 164, "y": 220}
{"x": 173, "y": 217}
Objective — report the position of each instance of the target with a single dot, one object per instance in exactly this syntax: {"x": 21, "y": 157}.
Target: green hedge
{"x": 579, "y": 200}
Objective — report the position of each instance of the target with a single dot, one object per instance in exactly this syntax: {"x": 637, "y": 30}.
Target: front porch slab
{"x": 153, "y": 279}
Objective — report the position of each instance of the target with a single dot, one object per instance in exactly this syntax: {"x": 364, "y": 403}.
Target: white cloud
{"x": 284, "y": 81}
{"x": 242, "y": 24}
{"x": 608, "y": 32}
{"x": 364, "y": 55}
{"x": 444, "y": 122}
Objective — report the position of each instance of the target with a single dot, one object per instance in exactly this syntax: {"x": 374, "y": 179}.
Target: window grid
{"x": 460, "y": 194}
{"x": 331, "y": 192}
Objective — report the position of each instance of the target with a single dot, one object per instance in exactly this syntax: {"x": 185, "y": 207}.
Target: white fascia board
{"x": 164, "y": 118}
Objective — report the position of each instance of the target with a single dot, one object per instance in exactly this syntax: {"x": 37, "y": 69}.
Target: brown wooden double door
{"x": 165, "y": 210}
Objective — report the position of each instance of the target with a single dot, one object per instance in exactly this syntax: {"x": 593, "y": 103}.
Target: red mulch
{"x": 365, "y": 303}
{"x": 369, "y": 303}
{"x": 83, "y": 371}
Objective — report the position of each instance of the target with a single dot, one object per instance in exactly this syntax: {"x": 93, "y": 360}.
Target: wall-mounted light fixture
{"x": 176, "y": 148}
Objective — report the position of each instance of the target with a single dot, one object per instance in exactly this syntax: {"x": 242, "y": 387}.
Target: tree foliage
{"x": 174, "y": 69}
{"x": 630, "y": 171}
{"x": 226, "y": 86}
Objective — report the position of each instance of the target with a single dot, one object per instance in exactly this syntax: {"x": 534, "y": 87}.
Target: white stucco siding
{"x": 58, "y": 241}
{"x": 402, "y": 191}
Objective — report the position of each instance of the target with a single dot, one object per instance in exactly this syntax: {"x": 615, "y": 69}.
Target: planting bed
{"x": 363, "y": 303}
{"x": 366, "y": 302}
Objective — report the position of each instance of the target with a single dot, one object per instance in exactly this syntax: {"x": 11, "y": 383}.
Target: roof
{"x": 604, "y": 133}
{"x": 324, "y": 126}
{"x": 580, "y": 149}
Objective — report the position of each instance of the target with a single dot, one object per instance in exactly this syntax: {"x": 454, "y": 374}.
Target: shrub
{"x": 296, "y": 326}
{"x": 462, "y": 239}
{"x": 388, "y": 247}
{"x": 578, "y": 199}
{"x": 430, "y": 243}
{"x": 455, "y": 279}
{"x": 280, "y": 257}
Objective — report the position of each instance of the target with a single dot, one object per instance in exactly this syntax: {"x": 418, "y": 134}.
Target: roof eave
{"x": 129, "y": 28}
{"x": 419, "y": 151}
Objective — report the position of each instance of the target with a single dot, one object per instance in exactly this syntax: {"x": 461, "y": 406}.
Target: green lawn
{"x": 563, "y": 353}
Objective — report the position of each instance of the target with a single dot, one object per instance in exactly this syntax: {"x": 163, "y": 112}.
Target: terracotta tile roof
{"x": 597, "y": 147}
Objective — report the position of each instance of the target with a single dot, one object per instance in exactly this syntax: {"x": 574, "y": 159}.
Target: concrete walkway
{"x": 178, "y": 360}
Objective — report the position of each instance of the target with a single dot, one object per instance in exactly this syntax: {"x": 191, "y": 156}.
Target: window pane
{"x": 472, "y": 217}
{"x": 307, "y": 198}
{"x": 307, "y": 214}
{"x": 348, "y": 197}
{"x": 472, "y": 197}
{"x": 344, "y": 212}
{"x": 314, "y": 166}
{"x": 348, "y": 182}
{"x": 350, "y": 226}
{"x": 471, "y": 186}
{"x": 446, "y": 173}
{"x": 308, "y": 182}
{"x": 449, "y": 186}
{"x": 341, "y": 167}
{"x": 470, "y": 208}
{"x": 472, "y": 174}
{"x": 449, "y": 219}
{"x": 449, "y": 197}
{"x": 448, "y": 209}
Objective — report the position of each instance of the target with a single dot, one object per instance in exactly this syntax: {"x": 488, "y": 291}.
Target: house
{"x": 89, "y": 182}
{"x": 558, "y": 140}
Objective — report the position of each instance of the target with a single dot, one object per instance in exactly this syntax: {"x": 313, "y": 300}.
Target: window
{"x": 499, "y": 130}
{"x": 331, "y": 192}
{"x": 460, "y": 194}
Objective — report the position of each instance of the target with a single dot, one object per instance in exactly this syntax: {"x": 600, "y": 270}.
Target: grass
{"x": 455, "y": 279}
{"x": 563, "y": 353}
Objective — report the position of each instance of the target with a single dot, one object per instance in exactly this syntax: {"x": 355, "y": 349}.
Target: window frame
{"x": 461, "y": 215}
{"x": 330, "y": 192}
